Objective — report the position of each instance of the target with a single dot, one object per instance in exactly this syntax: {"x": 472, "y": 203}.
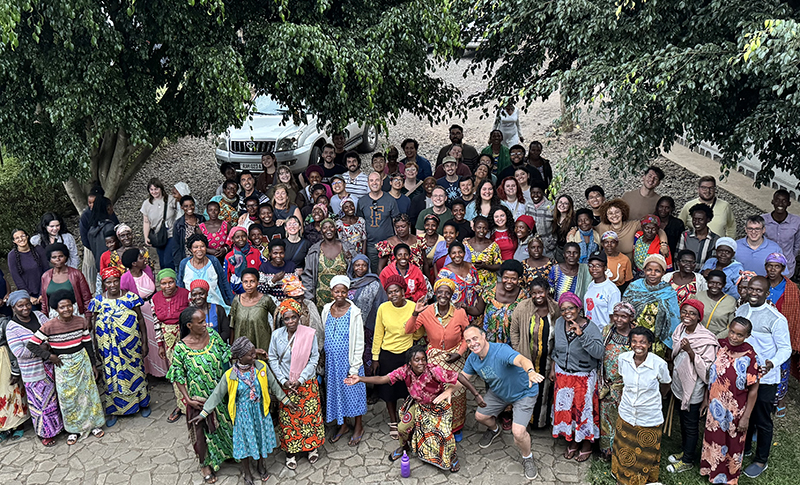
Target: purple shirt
{"x": 753, "y": 259}
{"x": 30, "y": 278}
{"x": 787, "y": 235}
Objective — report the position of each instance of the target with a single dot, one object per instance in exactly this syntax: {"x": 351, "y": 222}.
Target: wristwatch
{"x": 530, "y": 370}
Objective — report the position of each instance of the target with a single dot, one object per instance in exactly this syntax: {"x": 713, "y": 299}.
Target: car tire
{"x": 369, "y": 139}
{"x": 313, "y": 158}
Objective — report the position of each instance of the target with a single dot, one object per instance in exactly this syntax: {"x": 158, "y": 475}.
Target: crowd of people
{"x": 304, "y": 299}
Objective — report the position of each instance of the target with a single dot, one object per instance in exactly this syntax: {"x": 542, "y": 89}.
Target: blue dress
{"x": 343, "y": 400}
{"x": 253, "y": 433}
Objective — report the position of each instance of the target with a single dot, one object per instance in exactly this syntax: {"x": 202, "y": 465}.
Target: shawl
{"x": 667, "y": 319}
{"x": 705, "y": 345}
{"x": 442, "y": 250}
{"x": 301, "y": 350}
{"x": 366, "y": 292}
{"x": 586, "y": 248}
{"x": 789, "y": 306}
{"x": 653, "y": 248}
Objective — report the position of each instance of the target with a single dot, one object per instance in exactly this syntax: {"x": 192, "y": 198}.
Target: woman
{"x": 636, "y": 451}
{"x": 724, "y": 260}
{"x": 51, "y": 230}
{"x": 352, "y": 228}
{"x": 584, "y": 234}
{"x": 483, "y": 171}
{"x": 416, "y": 284}
{"x": 532, "y": 335}
{"x": 694, "y": 351}
{"x": 311, "y": 232}
{"x": 293, "y": 356}
{"x": 525, "y": 229}
{"x": 267, "y": 177}
{"x": 511, "y": 196}
{"x": 732, "y": 395}
{"x": 523, "y": 178}
{"x": 199, "y": 361}
{"x": 669, "y": 224}
{"x": 536, "y": 265}
{"x": 501, "y": 156}
{"x": 122, "y": 241}
{"x": 616, "y": 340}
{"x": 228, "y": 202}
{"x": 287, "y": 179}
{"x": 339, "y": 189}
{"x": 266, "y": 221}
{"x": 563, "y": 221}
{"x": 614, "y": 215}
{"x": 344, "y": 349}
{"x": 718, "y": 308}
{"x": 282, "y": 207}
{"x": 241, "y": 256}
{"x": 311, "y": 177}
{"x": 185, "y": 226}
{"x": 390, "y": 343}
{"x": 251, "y": 312}
{"x": 655, "y": 302}
{"x": 159, "y": 212}
{"x": 35, "y": 369}
{"x": 200, "y": 267}
{"x": 411, "y": 186}
{"x": 215, "y": 231}
{"x": 463, "y": 274}
{"x": 502, "y": 227}
{"x": 685, "y": 281}
{"x": 497, "y": 304}
{"x": 570, "y": 275}
{"x": 64, "y": 277}
{"x": 649, "y": 240}
{"x": 139, "y": 280}
{"x": 444, "y": 325}
{"x": 120, "y": 330}
{"x": 577, "y": 352}
{"x": 167, "y": 307}
{"x": 296, "y": 246}
{"x": 65, "y": 342}
{"x": 367, "y": 292}
{"x": 216, "y": 318}
{"x": 482, "y": 205}
{"x": 507, "y": 123}
{"x": 13, "y": 405}
{"x": 228, "y": 172}
{"x": 431, "y": 239}
{"x": 27, "y": 264}
{"x": 326, "y": 259}
{"x": 440, "y": 256}
{"x": 403, "y": 234}
{"x": 486, "y": 255}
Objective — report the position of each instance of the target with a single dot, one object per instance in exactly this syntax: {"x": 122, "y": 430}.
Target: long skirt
{"x": 43, "y": 404}
{"x": 636, "y": 453}
{"x": 303, "y": 430}
{"x": 13, "y": 410}
{"x": 153, "y": 363}
{"x": 211, "y": 438}
{"x": 77, "y": 394}
{"x": 459, "y": 398}
{"x": 253, "y": 433}
{"x": 171, "y": 335}
{"x": 389, "y": 361}
{"x": 426, "y": 428}
{"x": 576, "y": 414}
{"x": 608, "y": 416}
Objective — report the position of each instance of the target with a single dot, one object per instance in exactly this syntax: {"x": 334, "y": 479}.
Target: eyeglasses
{"x": 706, "y": 187}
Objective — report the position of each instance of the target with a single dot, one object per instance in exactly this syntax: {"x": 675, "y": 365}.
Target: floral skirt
{"x": 302, "y": 430}
{"x": 427, "y": 429}
{"x": 576, "y": 414}
{"x": 13, "y": 410}
{"x": 636, "y": 453}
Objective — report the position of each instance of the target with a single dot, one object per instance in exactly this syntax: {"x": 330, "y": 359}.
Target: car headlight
{"x": 222, "y": 142}
{"x": 289, "y": 142}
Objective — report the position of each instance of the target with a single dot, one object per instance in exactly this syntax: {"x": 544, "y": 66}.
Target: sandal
{"x": 506, "y": 423}
{"x": 780, "y": 412}
{"x": 570, "y": 453}
{"x": 175, "y": 415}
{"x": 456, "y": 466}
{"x": 396, "y": 454}
{"x": 48, "y": 441}
{"x": 98, "y": 433}
{"x": 393, "y": 431}
{"x": 291, "y": 463}
{"x": 72, "y": 439}
{"x": 16, "y": 435}
{"x": 355, "y": 440}
{"x": 313, "y": 456}
{"x": 583, "y": 456}
{"x": 338, "y": 436}
{"x": 211, "y": 477}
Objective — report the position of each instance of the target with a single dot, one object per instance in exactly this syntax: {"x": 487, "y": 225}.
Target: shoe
{"x": 747, "y": 453}
{"x": 529, "y": 466}
{"x": 458, "y": 436}
{"x": 111, "y": 421}
{"x": 679, "y": 467}
{"x": 489, "y": 436}
{"x": 146, "y": 412}
{"x": 753, "y": 471}
{"x": 675, "y": 458}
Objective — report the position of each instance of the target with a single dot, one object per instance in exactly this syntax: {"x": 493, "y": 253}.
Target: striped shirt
{"x": 31, "y": 366}
{"x": 64, "y": 337}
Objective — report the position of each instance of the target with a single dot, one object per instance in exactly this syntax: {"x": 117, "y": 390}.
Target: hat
{"x": 314, "y": 168}
{"x": 340, "y": 280}
{"x": 241, "y": 346}
{"x": 598, "y": 256}
{"x": 650, "y": 219}
{"x": 122, "y": 228}
{"x": 696, "y": 304}
{"x": 776, "y": 258}
{"x": 15, "y": 296}
{"x": 395, "y": 279}
{"x": 658, "y": 259}
{"x": 183, "y": 189}
{"x": 110, "y": 272}
{"x": 445, "y": 282}
{"x": 200, "y": 284}
{"x": 166, "y": 273}
{"x": 625, "y": 307}
{"x": 609, "y": 235}
{"x": 528, "y": 220}
{"x": 338, "y": 176}
{"x": 726, "y": 241}
{"x": 447, "y": 160}
{"x": 570, "y": 297}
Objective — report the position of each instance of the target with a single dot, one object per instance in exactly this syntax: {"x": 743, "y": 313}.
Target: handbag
{"x": 159, "y": 237}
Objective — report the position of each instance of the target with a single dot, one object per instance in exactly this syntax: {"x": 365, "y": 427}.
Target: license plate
{"x": 250, "y": 166}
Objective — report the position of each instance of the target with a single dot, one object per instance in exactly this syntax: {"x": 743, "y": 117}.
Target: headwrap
{"x": 241, "y": 346}
{"x": 528, "y": 220}
{"x": 233, "y": 231}
{"x": 200, "y": 284}
{"x": 122, "y": 228}
{"x": 650, "y": 219}
{"x": 776, "y": 258}
{"x": 745, "y": 276}
{"x": 323, "y": 208}
{"x": 696, "y": 304}
{"x": 445, "y": 282}
{"x": 626, "y": 308}
{"x": 609, "y": 235}
{"x": 340, "y": 280}
{"x": 166, "y": 273}
{"x": 726, "y": 241}
{"x": 346, "y": 199}
{"x": 290, "y": 304}
{"x": 395, "y": 279}
{"x": 183, "y": 189}
{"x": 658, "y": 259}
{"x": 570, "y": 297}
{"x": 314, "y": 168}
{"x": 111, "y": 272}
{"x": 432, "y": 216}
{"x": 15, "y": 296}
{"x": 59, "y": 296}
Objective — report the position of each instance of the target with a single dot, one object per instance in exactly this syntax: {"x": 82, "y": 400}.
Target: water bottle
{"x": 405, "y": 466}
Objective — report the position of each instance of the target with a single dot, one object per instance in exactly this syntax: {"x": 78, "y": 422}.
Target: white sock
{"x": 496, "y": 428}
{"x": 529, "y": 456}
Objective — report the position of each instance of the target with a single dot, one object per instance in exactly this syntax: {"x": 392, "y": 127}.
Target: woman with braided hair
{"x": 27, "y": 264}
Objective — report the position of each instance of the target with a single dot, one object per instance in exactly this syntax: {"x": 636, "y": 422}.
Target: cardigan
{"x": 356, "y": 343}
{"x": 229, "y": 383}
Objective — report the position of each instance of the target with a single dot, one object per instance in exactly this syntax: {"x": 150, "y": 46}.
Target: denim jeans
{"x": 690, "y": 430}
{"x": 165, "y": 254}
{"x": 761, "y": 421}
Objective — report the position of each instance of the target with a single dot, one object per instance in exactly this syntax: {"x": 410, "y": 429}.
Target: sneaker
{"x": 530, "y": 468}
{"x": 748, "y": 453}
{"x": 680, "y": 466}
{"x": 489, "y": 436}
{"x": 753, "y": 471}
{"x": 675, "y": 458}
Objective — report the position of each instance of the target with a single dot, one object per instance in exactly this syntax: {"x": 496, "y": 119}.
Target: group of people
{"x": 303, "y": 299}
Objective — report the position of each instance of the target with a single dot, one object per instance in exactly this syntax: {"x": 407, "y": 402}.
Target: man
{"x": 379, "y": 167}
{"x": 701, "y": 241}
{"x": 510, "y": 379}
{"x": 355, "y": 180}
{"x": 541, "y": 209}
{"x": 643, "y": 200}
{"x": 517, "y": 154}
{"x": 724, "y": 223}
{"x": 329, "y": 166}
{"x": 395, "y": 190}
{"x": 450, "y": 180}
{"x": 462, "y": 169}
{"x": 439, "y": 198}
{"x": 410, "y": 147}
{"x": 377, "y": 208}
{"x": 595, "y": 197}
{"x": 753, "y": 249}
{"x": 784, "y": 229}
{"x": 770, "y": 339}
{"x": 467, "y": 187}
{"x": 469, "y": 153}
{"x": 540, "y": 167}
{"x": 248, "y": 183}
{"x": 601, "y": 294}
{"x": 338, "y": 149}
{"x": 339, "y": 189}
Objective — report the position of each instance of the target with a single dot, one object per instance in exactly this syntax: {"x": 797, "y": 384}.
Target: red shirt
{"x": 426, "y": 386}
{"x": 507, "y": 246}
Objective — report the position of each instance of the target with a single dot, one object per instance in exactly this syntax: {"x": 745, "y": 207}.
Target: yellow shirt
{"x": 390, "y": 329}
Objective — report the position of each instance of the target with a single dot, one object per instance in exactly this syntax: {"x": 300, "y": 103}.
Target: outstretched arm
{"x": 353, "y": 380}
{"x": 525, "y": 364}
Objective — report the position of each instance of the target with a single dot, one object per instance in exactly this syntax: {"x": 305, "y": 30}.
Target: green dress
{"x": 253, "y": 322}
{"x": 200, "y": 371}
{"x": 328, "y": 268}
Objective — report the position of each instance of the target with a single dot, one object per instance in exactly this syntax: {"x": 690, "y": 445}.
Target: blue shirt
{"x": 403, "y": 204}
{"x": 753, "y": 259}
{"x": 731, "y": 275}
{"x": 776, "y": 293}
{"x": 497, "y": 369}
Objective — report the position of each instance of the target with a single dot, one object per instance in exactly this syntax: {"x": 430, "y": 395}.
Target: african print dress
{"x": 200, "y": 371}
{"x": 253, "y": 432}
{"x": 13, "y": 409}
{"x": 729, "y": 380}
{"x": 656, "y": 309}
{"x": 418, "y": 251}
{"x": 120, "y": 345}
{"x": 328, "y": 268}
{"x": 355, "y": 233}
{"x": 560, "y": 282}
{"x": 529, "y": 273}
{"x": 215, "y": 239}
{"x": 466, "y": 288}
{"x": 497, "y": 315}
{"x": 610, "y": 385}
{"x": 490, "y": 255}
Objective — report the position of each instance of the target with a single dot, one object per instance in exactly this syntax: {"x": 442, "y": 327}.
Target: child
{"x": 618, "y": 264}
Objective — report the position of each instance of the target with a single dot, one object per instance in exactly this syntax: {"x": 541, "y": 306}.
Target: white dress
{"x": 508, "y": 124}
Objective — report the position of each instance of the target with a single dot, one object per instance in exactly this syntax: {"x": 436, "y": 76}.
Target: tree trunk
{"x": 567, "y": 122}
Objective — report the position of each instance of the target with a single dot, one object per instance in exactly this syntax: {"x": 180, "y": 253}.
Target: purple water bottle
{"x": 405, "y": 466}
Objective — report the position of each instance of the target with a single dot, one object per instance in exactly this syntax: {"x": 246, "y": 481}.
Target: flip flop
{"x": 175, "y": 415}
{"x": 570, "y": 453}
{"x": 313, "y": 456}
{"x": 98, "y": 433}
{"x": 72, "y": 439}
{"x": 455, "y": 467}
{"x": 210, "y": 478}
{"x": 48, "y": 442}
{"x": 580, "y": 458}
{"x": 338, "y": 436}
{"x": 780, "y": 412}
{"x": 355, "y": 440}
{"x": 394, "y": 456}
{"x": 16, "y": 435}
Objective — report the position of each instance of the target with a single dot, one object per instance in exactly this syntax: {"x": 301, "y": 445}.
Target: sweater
{"x": 582, "y": 354}
{"x": 356, "y": 343}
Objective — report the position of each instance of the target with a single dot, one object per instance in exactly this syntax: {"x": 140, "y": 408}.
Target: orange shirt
{"x": 445, "y": 335}
{"x": 620, "y": 268}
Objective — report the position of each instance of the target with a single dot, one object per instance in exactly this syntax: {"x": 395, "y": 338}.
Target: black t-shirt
{"x": 464, "y": 229}
{"x": 338, "y": 159}
{"x": 273, "y": 232}
{"x": 330, "y": 172}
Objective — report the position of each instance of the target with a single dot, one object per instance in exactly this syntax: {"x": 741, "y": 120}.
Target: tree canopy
{"x": 646, "y": 72}
{"x": 90, "y": 88}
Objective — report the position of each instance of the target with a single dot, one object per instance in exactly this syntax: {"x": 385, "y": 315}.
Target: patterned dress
{"x": 200, "y": 371}
{"x": 13, "y": 408}
{"x": 466, "y": 288}
{"x": 560, "y": 282}
{"x": 530, "y": 273}
{"x": 497, "y": 315}
{"x": 355, "y": 233}
{"x": 120, "y": 345}
{"x": 253, "y": 432}
{"x": 215, "y": 239}
{"x": 610, "y": 385}
{"x": 343, "y": 401}
{"x": 418, "y": 251}
{"x": 490, "y": 255}
{"x": 689, "y": 290}
{"x": 328, "y": 268}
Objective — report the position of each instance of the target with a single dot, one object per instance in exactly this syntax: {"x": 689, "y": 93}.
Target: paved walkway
{"x": 141, "y": 451}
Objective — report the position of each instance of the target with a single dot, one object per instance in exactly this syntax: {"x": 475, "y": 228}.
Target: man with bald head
{"x": 770, "y": 339}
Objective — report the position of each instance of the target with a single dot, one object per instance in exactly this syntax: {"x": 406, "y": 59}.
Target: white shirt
{"x": 641, "y": 395}
{"x": 770, "y": 338}
{"x": 599, "y": 301}
{"x": 357, "y": 187}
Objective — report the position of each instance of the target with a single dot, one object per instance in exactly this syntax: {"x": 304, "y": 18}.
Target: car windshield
{"x": 267, "y": 106}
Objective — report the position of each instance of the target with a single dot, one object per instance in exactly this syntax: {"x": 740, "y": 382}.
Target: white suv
{"x": 297, "y": 146}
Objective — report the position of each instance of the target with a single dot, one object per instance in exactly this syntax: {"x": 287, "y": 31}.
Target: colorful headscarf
{"x": 290, "y": 304}
{"x": 111, "y": 272}
{"x": 650, "y": 219}
{"x": 696, "y": 304}
{"x": 15, "y": 296}
{"x": 745, "y": 276}
{"x": 200, "y": 284}
{"x": 445, "y": 282}
{"x": 323, "y": 208}
{"x": 233, "y": 231}
{"x": 166, "y": 273}
{"x": 609, "y": 235}
{"x": 625, "y": 307}
{"x": 570, "y": 297}
{"x": 122, "y": 228}
{"x": 346, "y": 199}
{"x": 726, "y": 241}
{"x": 527, "y": 220}
{"x": 776, "y": 258}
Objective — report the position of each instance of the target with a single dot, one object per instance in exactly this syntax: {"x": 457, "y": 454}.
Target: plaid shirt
{"x": 702, "y": 249}
{"x": 426, "y": 386}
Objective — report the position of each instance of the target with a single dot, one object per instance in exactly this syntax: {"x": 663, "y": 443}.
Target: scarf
{"x": 441, "y": 250}
{"x": 239, "y": 259}
{"x": 705, "y": 345}
{"x": 301, "y": 350}
{"x": 586, "y": 248}
{"x": 640, "y": 295}
{"x": 366, "y": 292}
{"x": 641, "y": 249}
{"x": 246, "y": 374}
{"x": 789, "y": 306}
